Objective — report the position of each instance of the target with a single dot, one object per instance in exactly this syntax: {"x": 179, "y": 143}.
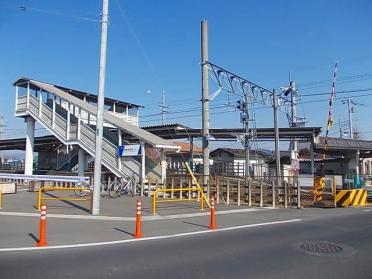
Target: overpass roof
{"x": 92, "y": 98}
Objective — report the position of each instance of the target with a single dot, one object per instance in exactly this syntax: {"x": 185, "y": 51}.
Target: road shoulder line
{"x": 93, "y": 244}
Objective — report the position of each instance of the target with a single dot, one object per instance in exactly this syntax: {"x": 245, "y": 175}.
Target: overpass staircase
{"x": 61, "y": 114}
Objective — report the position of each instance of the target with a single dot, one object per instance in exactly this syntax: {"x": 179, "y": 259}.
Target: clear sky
{"x": 155, "y": 46}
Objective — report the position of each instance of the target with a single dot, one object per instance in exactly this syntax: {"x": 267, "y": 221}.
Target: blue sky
{"x": 155, "y": 46}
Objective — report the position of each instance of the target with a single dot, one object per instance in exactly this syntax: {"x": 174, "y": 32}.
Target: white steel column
{"x": 79, "y": 124}
{"x": 16, "y": 100}
{"x": 163, "y": 167}
{"x": 143, "y": 167}
{"x": 54, "y": 113}
{"x": 357, "y": 173}
{"x": 119, "y": 143}
{"x": 81, "y": 162}
{"x": 68, "y": 122}
{"x": 40, "y": 102}
{"x": 29, "y": 157}
{"x": 28, "y": 95}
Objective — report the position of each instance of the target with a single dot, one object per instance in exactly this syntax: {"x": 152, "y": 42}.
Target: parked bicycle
{"x": 124, "y": 186}
{"x": 87, "y": 189}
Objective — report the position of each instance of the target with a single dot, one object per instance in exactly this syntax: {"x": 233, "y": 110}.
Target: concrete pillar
{"x": 29, "y": 157}
{"x": 82, "y": 162}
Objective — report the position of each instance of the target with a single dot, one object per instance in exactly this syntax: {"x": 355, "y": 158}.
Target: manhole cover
{"x": 325, "y": 248}
{"x": 321, "y": 247}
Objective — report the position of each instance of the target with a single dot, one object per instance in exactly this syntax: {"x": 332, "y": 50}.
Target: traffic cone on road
{"x": 42, "y": 234}
{"x": 138, "y": 233}
{"x": 212, "y": 225}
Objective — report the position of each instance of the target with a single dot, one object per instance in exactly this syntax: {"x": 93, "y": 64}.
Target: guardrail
{"x": 197, "y": 188}
{"x": 155, "y": 199}
{"x": 57, "y": 178}
{"x": 89, "y": 197}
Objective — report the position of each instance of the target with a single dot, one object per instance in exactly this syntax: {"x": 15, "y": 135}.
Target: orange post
{"x": 212, "y": 225}
{"x": 138, "y": 233}
{"x": 42, "y": 235}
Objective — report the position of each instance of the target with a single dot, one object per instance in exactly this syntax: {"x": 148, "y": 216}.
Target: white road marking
{"x": 147, "y": 238}
{"x": 144, "y": 218}
{"x": 367, "y": 210}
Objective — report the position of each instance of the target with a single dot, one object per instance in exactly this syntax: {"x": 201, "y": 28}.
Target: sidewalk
{"x": 120, "y": 207}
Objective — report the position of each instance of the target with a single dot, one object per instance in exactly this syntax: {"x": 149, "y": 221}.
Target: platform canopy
{"x": 344, "y": 147}
{"x": 178, "y": 131}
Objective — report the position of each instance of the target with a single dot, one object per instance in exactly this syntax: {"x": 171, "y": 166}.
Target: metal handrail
{"x": 155, "y": 201}
{"x": 57, "y": 178}
{"x": 197, "y": 183}
{"x": 46, "y": 188}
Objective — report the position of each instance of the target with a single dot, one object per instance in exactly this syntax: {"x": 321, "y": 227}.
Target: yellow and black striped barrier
{"x": 351, "y": 197}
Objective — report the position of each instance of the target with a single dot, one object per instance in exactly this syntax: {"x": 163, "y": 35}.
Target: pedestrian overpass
{"x": 71, "y": 118}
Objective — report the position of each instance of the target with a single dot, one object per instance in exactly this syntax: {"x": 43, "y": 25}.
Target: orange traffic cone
{"x": 138, "y": 233}
{"x": 212, "y": 225}
{"x": 42, "y": 234}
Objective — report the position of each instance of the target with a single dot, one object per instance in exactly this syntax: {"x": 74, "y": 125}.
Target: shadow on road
{"x": 203, "y": 226}
{"x": 120, "y": 230}
{"x": 33, "y": 237}
{"x": 66, "y": 202}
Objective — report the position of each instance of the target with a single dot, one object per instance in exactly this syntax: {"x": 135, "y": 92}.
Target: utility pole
{"x": 349, "y": 103}
{"x": 205, "y": 100}
{"x": 100, "y": 108}
{"x": 277, "y": 150}
{"x": 2, "y": 125}
{"x": 350, "y": 119}
{"x": 292, "y": 85}
{"x": 163, "y": 108}
{"x": 294, "y": 142}
{"x": 244, "y": 118}
{"x": 246, "y": 138}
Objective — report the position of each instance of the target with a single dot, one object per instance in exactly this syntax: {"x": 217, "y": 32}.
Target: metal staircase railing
{"x": 71, "y": 130}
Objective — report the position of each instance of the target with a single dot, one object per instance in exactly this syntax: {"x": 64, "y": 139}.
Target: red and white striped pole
{"x": 138, "y": 233}
{"x": 42, "y": 234}
{"x": 212, "y": 225}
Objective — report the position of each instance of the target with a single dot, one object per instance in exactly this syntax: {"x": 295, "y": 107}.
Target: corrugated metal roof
{"x": 22, "y": 82}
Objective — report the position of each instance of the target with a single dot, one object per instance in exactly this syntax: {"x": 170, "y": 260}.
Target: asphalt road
{"x": 262, "y": 252}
